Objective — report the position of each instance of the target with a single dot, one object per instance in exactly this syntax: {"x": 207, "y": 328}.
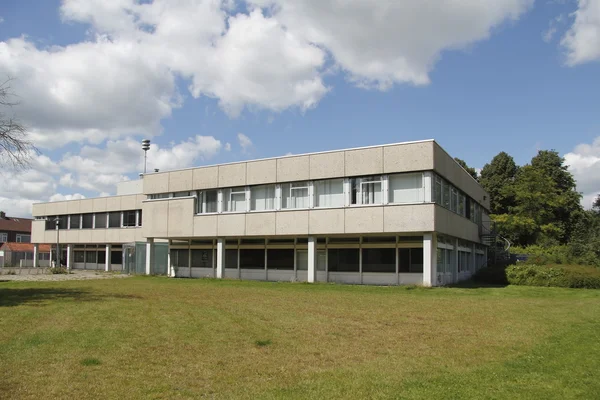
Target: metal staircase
{"x": 498, "y": 246}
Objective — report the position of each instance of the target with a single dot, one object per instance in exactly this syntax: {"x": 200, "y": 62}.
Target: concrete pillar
{"x": 220, "y": 258}
{"x": 35, "y": 255}
{"x": 170, "y": 270}
{"x": 51, "y": 262}
{"x": 69, "y": 257}
{"x": 149, "y": 255}
{"x": 429, "y": 259}
{"x": 455, "y": 272}
{"x": 107, "y": 258}
{"x": 312, "y": 259}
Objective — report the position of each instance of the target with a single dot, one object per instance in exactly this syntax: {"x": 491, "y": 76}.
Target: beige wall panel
{"x": 327, "y": 165}
{"x": 69, "y": 236}
{"x": 38, "y": 209}
{"x": 113, "y": 203}
{"x": 291, "y": 223}
{"x": 364, "y": 161}
{"x": 231, "y": 175}
{"x": 291, "y": 169}
{"x": 113, "y": 235}
{"x": 180, "y": 181}
{"x": 60, "y": 207}
{"x": 127, "y": 235}
{"x": 154, "y": 218}
{"x": 99, "y": 204}
{"x": 326, "y": 221}
{"x": 99, "y": 236}
{"x": 73, "y": 206}
{"x": 85, "y": 236}
{"x": 50, "y": 237}
{"x": 408, "y": 157}
{"x": 86, "y": 206}
{"x": 231, "y": 224}
{"x": 364, "y": 219}
{"x": 259, "y": 172}
{"x": 38, "y": 230}
{"x": 409, "y": 218}
{"x": 139, "y": 235}
{"x": 156, "y": 183}
{"x": 205, "y": 225}
{"x": 258, "y": 224}
{"x": 139, "y": 200}
{"x": 449, "y": 223}
{"x": 205, "y": 178}
{"x": 128, "y": 202}
{"x": 181, "y": 221}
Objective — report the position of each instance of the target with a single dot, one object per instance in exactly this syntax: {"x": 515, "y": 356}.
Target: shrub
{"x": 493, "y": 275}
{"x": 58, "y": 270}
{"x": 569, "y": 276}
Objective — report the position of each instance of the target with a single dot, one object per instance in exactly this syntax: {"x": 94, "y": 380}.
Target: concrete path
{"x": 74, "y": 276}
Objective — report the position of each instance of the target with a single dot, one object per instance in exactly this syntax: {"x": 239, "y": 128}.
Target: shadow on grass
{"x": 38, "y": 297}
{"x": 490, "y": 277}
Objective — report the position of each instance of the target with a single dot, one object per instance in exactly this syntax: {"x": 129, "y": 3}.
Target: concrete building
{"x": 403, "y": 213}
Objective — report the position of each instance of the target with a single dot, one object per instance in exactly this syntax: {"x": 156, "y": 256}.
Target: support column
{"x": 456, "y": 262}
{"x": 429, "y": 259}
{"x": 170, "y": 271}
{"x": 69, "y": 257}
{"x": 107, "y": 258}
{"x": 312, "y": 259}
{"x": 35, "y": 255}
{"x": 149, "y": 255}
{"x": 51, "y": 261}
{"x": 220, "y": 258}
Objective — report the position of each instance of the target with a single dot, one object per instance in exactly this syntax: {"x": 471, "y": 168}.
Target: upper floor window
{"x": 129, "y": 218}
{"x": 329, "y": 193}
{"x": 114, "y": 219}
{"x": 3, "y": 237}
{"x": 406, "y": 188}
{"x": 262, "y": 197}
{"x": 234, "y": 199}
{"x": 75, "y": 221}
{"x": 87, "y": 221}
{"x": 454, "y": 199}
{"x": 207, "y": 201}
{"x": 367, "y": 190}
{"x": 295, "y": 195}
{"x": 22, "y": 238}
{"x": 159, "y": 196}
{"x": 437, "y": 190}
{"x": 183, "y": 194}
{"x": 100, "y": 220}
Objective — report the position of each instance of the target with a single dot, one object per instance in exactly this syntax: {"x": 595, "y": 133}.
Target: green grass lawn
{"x": 163, "y": 338}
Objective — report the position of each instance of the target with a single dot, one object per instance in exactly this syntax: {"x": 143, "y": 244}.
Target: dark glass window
{"x": 87, "y": 221}
{"x": 343, "y": 260}
{"x": 302, "y": 240}
{"x": 140, "y": 218}
{"x": 253, "y": 241}
{"x": 379, "y": 239}
{"x": 116, "y": 257}
{"x": 75, "y": 222}
{"x": 78, "y": 256}
{"x": 344, "y": 240}
{"x": 101, "y": 257}
{"x": 202, "y": 258}
{"x": 252, "y": 258}
{"x": 282, "y": 259}
{"x": 179, "y": 258}
{"x": 90, "y": 257}
{"x": 100, "y": 220}
{"x": 63, "y": 222}
{"x": 114, "y": 219}
{"x": 231, "y": 258}
{"x": 281, "y": 241}
{"x": 410, "y": 260}
{"x": 50, "y": 223}
{"x": 379, "y": 260}
{"x": 128, "y": 218}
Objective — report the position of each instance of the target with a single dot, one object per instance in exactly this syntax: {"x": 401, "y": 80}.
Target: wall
{"x": 130, "y": 187}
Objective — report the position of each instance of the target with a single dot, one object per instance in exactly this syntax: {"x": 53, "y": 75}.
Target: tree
{"x": 15, "y": 148}
{"x": 497, "y": 178}
{"x": 470, "y": 170}
{"x": 596, "y": 204}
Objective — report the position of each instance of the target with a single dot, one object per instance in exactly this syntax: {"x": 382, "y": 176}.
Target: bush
{"x": 569, "y": 276}
{"x": 58, "y": 270}
{"x": 493, "y": 275}
{"x": 549, "y": 255}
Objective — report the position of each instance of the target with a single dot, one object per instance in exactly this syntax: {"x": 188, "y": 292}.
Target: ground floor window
{"x": 202, "y": 258}
{"x": 102, "y": 257}
{"x": 79, "y": 256}
{"x": 410, "y": 260}
{"x": 252, "y": 258}
{"x": 179, "y": 258}
{"x": 90, "y": 257}
{"x": 379, "y": 260}
{"x": 231, "y": 258}
{"x": 116, "y": 257}
{"x": 343, "y": 260}
{"x": 282, "y": 259}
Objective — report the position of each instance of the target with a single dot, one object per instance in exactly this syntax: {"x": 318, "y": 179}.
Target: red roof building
{"x": 14, "y": 229}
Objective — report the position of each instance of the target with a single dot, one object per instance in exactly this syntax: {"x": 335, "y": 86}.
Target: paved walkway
{"x": 31, "y": 274}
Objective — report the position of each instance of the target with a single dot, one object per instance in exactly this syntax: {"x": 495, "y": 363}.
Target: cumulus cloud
{"x": 582, "y": 40}
{"x": 584, "y": 164}
{"x": 245, "y": 142}
{"x": 63, "y": 197}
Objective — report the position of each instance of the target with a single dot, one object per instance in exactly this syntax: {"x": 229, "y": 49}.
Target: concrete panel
{"x": 409, "y": 218}
{"x": 205, "y": 225}
{"x": 59, "y": 207}
{"x": 113, "y": 235}
{"x": 85, "y": 236}
{"x": 280, "y": 276}
{"x": 231, "y": 224}
{"x": 139, "y": 235}
{"x": 181, "y": 222}
{"x": 259, "y": 224}
{"x": 113, "y": 203}
{"x": 98, "y": 236}
{"x": 259, "y": 172}
{"x": 139, "y": 200}
{"x": 205, "y": 178}
{"x": 352, "y": 278}
{"x": 73, "y": 206}
{"x": 232, "y": 175}
{"x": 38, "y": 209}
{"x": 374, "y": 278}
{"x": 449, "y": 223}
{"x": 129, "y": 202}
{"x": 130, "y": 187}
{"x": 327, "y": 165}
{"x": 253, "y": 274}
{"x": 364, "y": 161}
{"x": 127, "y": 235}
{"x": 408, "y": 157}
{"x": 411, "y": 279}
{"x": 49, "y": 237}
{"x": 38, "y": 230}
{"x": 231, "y": 274}
{"x": 156, "y": 183}
{"x": 154, "y": 218}
{"x": 203, "y": 273}
{"x": 291, "y": 223}
{"x": 364, "y": 220}
{"x": 301, "y": 276}
{"x": 291, "y": 169}
{"x": 326, "y": 221}
{"x": 86, "y": 206}
{"x": 68, "y": 236}
{"x": 99, "y": 204}
{"x": 180, "y": 181}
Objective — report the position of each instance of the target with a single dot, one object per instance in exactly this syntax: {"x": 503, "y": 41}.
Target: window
{"x": 102, "y": 257}
{"x": 139, "y": 218}
{"x": 179, "y": 258}
{"x": 3, "y": 237}
{"x": 437, "y": 190}
{"x": 159, "y": 196}
{"x": 454, "y": 203}
{"x": 129, "y": 218}
{"x": 366, "y": 190}
{"x": 100, "y": 220}
{"x": 343, "y": 260}
{"x": 114, "y": 219}
{"x": 79, "y": 256}
{"x": 295, "y": 195}
{"x": 234, "y": 200}
{"x": 90, "y": 257}
{"x": 406, "y": 188}
{"x": 75, "y": 221}
{"x": 329, "y": 193}
{"x": 302, "y": 260}
{"x": 461, "y": 204}
{"x": 207, "y": 202}
{"x": 231, "y": 258}
{"x": 202, "y": 258}
{"x": 379, "y": 260}
{"x": 182, "y": 194}
{"x": 262, "y": 197}
{"x": 446, "y": 195}
{"x": 50, "y": 223}
{"x": 21, "y": 238}
{"x": 87, "y": 221}
{"x": 410, "y": 260}
{"x": 116, "y": 257}
{"x": 252, "y": 258}
{"x": 280, "y": 259}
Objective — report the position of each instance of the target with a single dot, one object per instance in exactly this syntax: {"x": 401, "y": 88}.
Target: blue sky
{"x": 518, "y": 78}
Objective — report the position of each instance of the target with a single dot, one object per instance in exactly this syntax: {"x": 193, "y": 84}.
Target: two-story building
{"x": 403, "y": 213}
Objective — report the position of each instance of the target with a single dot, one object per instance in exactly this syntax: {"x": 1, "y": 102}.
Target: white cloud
{"x": 63, "y": 197}
{"x": 227, "y": 146}
{"x": 582, "y": 40}
{"x": 244, "y": 141}
{"x": 584, "y": 164}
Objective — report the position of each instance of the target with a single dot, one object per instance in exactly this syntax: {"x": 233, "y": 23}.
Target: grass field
{"x": 171, "y": 338}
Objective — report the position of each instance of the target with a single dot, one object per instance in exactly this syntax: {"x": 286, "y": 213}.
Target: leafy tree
{"x": 15, "y": 148}
{"x": 497, "y": 178}
{"x": 470, "y": 170}
{"x": 596, "y": 204}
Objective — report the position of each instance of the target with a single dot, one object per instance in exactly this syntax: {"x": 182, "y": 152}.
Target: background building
{"x": 14, "y": 229}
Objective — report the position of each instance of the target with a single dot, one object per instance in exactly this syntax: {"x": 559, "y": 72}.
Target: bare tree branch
{"x": 16, "y": 150}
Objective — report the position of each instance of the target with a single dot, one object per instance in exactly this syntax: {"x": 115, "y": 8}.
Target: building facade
{"x": 404, "y": 213}
{"x": 15, "y": 230}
